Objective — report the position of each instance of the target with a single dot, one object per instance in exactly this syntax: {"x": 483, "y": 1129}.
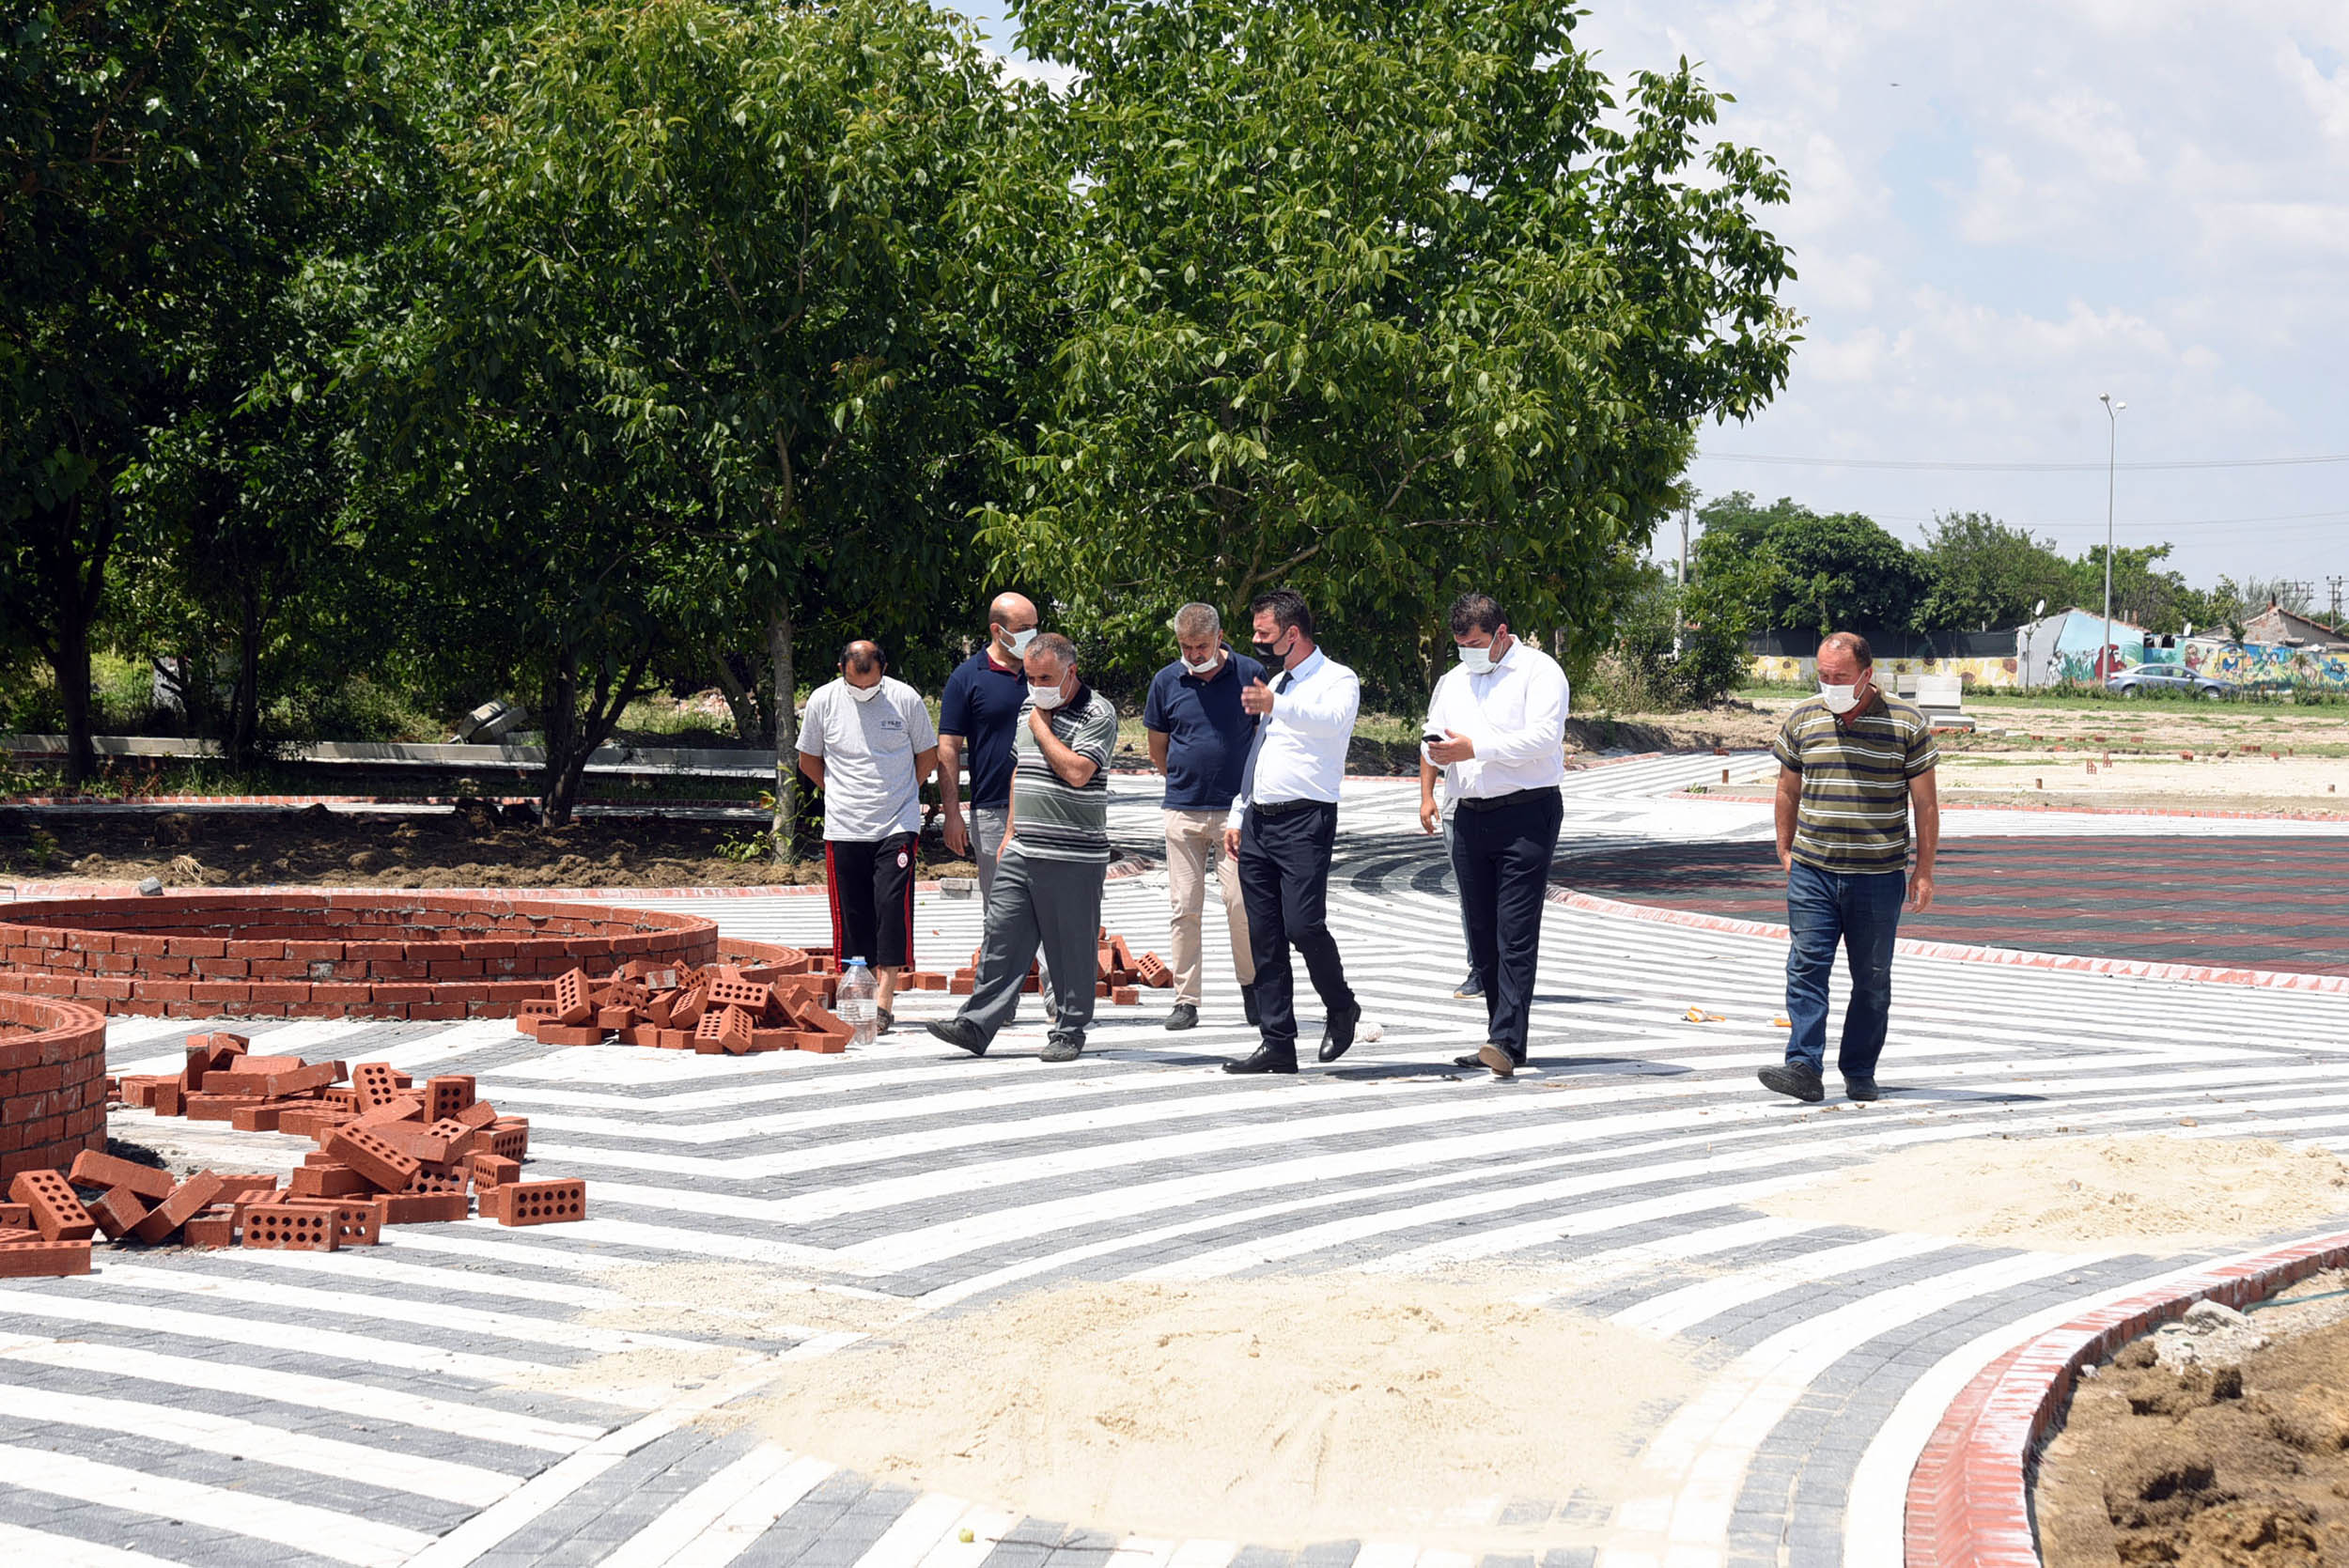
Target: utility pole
{"x": 2112, "y": 452}
{"x": 1680, "y": 610}
{"x": 2334, "y": 583}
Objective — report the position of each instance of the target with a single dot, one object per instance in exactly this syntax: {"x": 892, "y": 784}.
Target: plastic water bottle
{"x": 856, "y": 1005}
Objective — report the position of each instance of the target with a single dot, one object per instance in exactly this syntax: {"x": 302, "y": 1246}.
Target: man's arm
{"x": 1158, "y": 750}
{"x": 1323, "y": 707}
{"x": 925, "y": 764}
{"x": 1075, "y": 769}
{"x": 1429, "y": 813}
{"x": 813, "y": 766}
{"x": 1544, "y": 731}
{"x": 1789, "y": 795}
{"x": 1924, "y": 799}
{"x": 950, "y": 795}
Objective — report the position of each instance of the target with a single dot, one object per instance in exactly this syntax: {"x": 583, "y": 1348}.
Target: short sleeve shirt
{"x": 1207, "y": 732}
{"x": 1051, "y": 819}
{"x": 981, "y": 704}
{"x": 868, "y": 750}
{"x": 1852, "y": 817}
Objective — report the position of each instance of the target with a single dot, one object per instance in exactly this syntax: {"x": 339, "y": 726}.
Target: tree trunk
{"x": 245, "y": 722}
{"x": 559, "y": 711}
{"x": 751, "y": 725}
{"x": 785, "y": 827}
{"x": 70, "y": 668}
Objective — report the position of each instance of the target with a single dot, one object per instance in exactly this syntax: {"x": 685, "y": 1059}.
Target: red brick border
{"x": 1969, "y": 1501}
{"x": 390, "y": 954}
{"x": 1964, "y": 953}
{"x": 52, "y": 1084}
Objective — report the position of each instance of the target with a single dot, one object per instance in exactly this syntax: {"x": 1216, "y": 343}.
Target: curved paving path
{"x": 357, "y": 1408}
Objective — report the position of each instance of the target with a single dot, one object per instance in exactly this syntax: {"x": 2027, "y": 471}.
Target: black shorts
{"x": 871, "y": 884}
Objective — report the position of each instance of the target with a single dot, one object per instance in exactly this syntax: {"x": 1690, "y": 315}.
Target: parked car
{"x": 2138, "y": 679}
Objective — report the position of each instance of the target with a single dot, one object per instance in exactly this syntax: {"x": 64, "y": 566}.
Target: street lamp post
{"x": 2112, "y": 451}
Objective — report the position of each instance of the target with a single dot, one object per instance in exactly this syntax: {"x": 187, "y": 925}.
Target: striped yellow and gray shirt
{"x": 1853, "y": 814}
{"x": 1053, "y": 820}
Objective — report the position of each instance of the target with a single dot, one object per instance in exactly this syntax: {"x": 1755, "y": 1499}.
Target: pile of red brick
{"x": 391, "y": 1153}
{"x": 721, "y": 1008}
{"x": 1115, "y": 976}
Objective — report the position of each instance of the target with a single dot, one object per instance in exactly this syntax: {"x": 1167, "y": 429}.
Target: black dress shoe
{"x": 1799, "y": 1083}
{"x": 1473, "y": 1058}
{"x": 1501, "y": 1059}
{"x": 1337, "y": 1033}
{"x": 960, "y": 1032}
{"x": 1183, "y": 1017}
{"x": 1471, "y": 986}
{"x": 1248, "y": 1006}
{"x": 1266, "y": 1058}
{"x": 1862, "y": 1089}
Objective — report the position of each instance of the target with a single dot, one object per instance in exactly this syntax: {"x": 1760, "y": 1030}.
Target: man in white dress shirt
{"x": 1498, "y": 723}
{"x": 1283, "y": 825}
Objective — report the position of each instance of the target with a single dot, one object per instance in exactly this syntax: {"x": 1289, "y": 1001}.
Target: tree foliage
{"x": 1377, "y": 303}
{"x": 1796, "y": 569}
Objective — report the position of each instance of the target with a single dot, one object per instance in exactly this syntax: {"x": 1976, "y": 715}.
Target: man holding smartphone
{"x": 1497, "y": 731}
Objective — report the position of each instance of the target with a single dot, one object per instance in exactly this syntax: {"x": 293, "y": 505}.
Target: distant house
{"x": 2279, "y": 625}
{"x": 2070, "y": 646}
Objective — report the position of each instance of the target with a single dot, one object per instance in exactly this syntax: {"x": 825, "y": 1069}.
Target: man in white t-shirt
{"x": 866, "y": 741}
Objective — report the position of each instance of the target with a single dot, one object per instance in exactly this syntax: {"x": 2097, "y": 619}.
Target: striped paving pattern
{"x": 446, "y": 1399}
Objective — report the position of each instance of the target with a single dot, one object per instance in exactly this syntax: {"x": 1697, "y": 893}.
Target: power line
{"x": 2140, "y": 523}
{"x": 2008, "y": 468}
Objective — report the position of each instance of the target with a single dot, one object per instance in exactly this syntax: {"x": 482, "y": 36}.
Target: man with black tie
{"x": 1283, "y": 824}
{"x": 1498, "y": 723}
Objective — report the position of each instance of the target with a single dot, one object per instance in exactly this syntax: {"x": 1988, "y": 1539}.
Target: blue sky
{"x": 2148, "y": 197}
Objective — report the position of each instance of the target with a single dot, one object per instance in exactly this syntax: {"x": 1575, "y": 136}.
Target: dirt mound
{"x": 2235, "y": 1466}
{"x": 2152, "y": 1190}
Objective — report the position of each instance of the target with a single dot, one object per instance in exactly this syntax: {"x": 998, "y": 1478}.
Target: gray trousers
{"x": 987, "y": 827}
{"x": 1035, "y": 903}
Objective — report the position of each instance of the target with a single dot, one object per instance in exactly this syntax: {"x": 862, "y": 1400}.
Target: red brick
{"x": 56, "y": 1213}
{"x": 214, "y": 1227}
{"x": 190, "y": 1199}
{"x": 492, "y": 1171}
{"x": 327, "y": 1181}
{"x": 541, "y": 1203}
{"x": 239, "y": 1188}
{"x": 257, "y": 1118}
{"x": 118, "y": 1212}
{"x": 45, "y": 1260}
{"x": 93, "y": 1169}
{"x": 367, "y": 1153}
{"x": 374, "y": 1084}
{"x": 571, "y": 1006}
{"x": 400, "y": 1108}
{"x": 291, "y": 1227}
{"x": 424, "y": 1208}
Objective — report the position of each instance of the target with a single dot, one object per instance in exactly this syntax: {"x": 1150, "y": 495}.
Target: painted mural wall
{"x": 2071, "y": 649}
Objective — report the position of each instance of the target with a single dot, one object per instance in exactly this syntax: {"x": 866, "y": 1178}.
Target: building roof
{"x": 2275, "y": 624}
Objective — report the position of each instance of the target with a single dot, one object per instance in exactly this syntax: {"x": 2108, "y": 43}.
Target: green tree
{"x": 2142, "y": 594}
{"x": 1786, "y": 568}
{"x": 1377, "y": 303}
{"x": 1980, "y": 574}
{"x": 683, "y": 331}
{"x": 164, "y": 168}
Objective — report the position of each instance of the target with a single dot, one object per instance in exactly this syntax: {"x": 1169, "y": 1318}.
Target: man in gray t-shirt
{"x": 1055, "y": 856}
{"x": 866, "y": 741}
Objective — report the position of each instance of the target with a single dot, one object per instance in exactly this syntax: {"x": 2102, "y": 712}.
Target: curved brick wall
{"x": 52, "y": 1084}
{"x": 325, "y": 954}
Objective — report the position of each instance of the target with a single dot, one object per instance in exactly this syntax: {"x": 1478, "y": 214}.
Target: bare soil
{"x": 2228, "y": 1461}
{"x": 455, "y": 848}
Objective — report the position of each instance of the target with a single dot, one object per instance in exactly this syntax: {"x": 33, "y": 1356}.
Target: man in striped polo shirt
{"x": 1852, "y": 764}
{"x": 1055, "y": 858}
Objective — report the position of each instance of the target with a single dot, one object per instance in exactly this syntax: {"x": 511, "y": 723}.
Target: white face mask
{"x": 1206, "y": 666}
{"x": 1839, "y": 699}
{"x": 1476, "y": 660}
{"x": 1017, "y": 640}
{"x": 1047, "y": 697}
{"x": 865, "y": 693}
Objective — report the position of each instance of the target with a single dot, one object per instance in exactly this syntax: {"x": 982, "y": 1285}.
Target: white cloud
{"x": 2060, "y": 197}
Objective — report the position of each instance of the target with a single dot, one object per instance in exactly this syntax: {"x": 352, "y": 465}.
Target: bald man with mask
{"x": 976, "y": 720}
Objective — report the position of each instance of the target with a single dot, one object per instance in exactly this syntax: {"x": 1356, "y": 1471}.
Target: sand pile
{"x": 1266, "y": 1410}
{"x": 2153, "y": 1189}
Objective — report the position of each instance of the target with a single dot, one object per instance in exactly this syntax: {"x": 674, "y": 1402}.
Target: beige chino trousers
{"x": 1192, "y": 839}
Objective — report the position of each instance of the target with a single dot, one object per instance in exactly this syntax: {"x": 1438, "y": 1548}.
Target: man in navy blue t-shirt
{"x": 975, "y": 720}
{"x": 1199, "y": 737}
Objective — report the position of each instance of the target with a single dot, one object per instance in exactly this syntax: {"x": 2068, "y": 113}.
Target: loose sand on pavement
{"x": 1269, "y": 1410}
{"x": 2155, "y": 1190}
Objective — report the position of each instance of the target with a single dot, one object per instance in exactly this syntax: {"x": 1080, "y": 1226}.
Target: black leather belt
{"x": 1502, "y": 802}
{"x": 1282, "y": 808}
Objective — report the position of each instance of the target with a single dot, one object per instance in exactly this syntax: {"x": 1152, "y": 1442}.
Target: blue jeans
{"x": 1863, "y": 914}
